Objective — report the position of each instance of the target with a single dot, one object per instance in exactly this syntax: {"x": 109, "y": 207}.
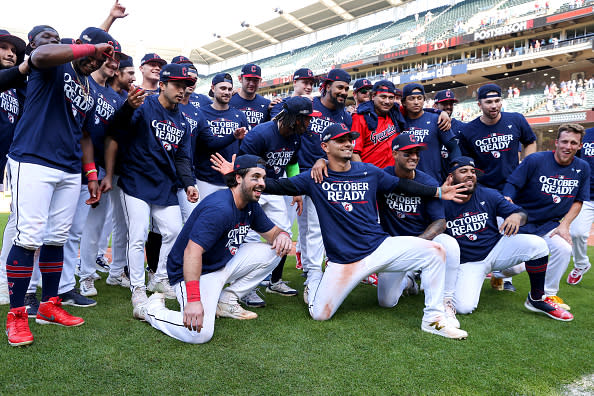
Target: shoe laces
{"x": 449, "y": 306}
{"x": 88, "y": 283}
{"x": 20, "y": 321}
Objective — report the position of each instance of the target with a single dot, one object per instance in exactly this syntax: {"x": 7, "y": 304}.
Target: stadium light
{"x": 278, "y": 11}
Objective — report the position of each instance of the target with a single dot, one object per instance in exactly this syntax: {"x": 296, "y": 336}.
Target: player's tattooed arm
{"x": 512, "y": 223}
{"x": 563, "y": 229}
{"x": 434, "y": 229}
{"x": 280, "y": 240}
{"x": 193, "y": 311}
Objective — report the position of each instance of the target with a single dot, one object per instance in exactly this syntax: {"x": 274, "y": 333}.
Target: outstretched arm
{"x": 117, "y": 11}
{"x": 51, "y": 55}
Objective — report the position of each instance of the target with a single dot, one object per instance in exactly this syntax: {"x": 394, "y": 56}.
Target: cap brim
{"x": 18, "y": 43}
{"x": 162, "y": 62}
{"x": 354, "y": 135}
{"x": 315, "y": 114}
{"x": 422, "y": 146}
{"x": 251, "y": 75}
{"x": 447, "y": 100}
{"x": 123, "y": 56}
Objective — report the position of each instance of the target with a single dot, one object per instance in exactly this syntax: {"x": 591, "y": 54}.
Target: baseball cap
{"x": 67, "y": 40}
{"x": 338, "y": 75}
{"x": 409, "y": 88}
{"x": 152, "y": 57}
{"x": 303, "y": 74}
{"x": 444, "y": 96}
{"x": 384, "y": 86}
{"x": 34, "y": 32}
{"x": 398, "y": 92}
{"x": 174, "y": 72}
{"x": 300, "y": 105}
{"x": 126, "y": 62}
{"x": 463, "y": 161}
{"x": 247, "y": 161}
{"x": 407, "y": 141}
{"x": 181, "y": 59}
{"x": 219, "y": 78}
{"x": 486, "y": 91}
{"x": 251, "y": 70}
{"x": 361, "y": 83}
{"x": 18, "y": 43}
{"x": 334, "y": 131}
{"x": 93, "y": 35}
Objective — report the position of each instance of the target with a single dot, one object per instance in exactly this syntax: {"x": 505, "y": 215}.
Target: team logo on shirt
{"x": 377, "y": 137}
{"x": 10, "y": 104}
{"x": 168, "y": 133}
{"x": 236, "y": 236}
{"x": 558, "y": 186}
{"x": 222, "y": 126}
{"x": 467, "y": 224}
{"x": 494, "y": 143}
{"x": 556, "y": 198}
{"x": 496, "y": 154}
{"x": 75, "y": 94}
{"x": 279, "y": 159}
{"x": 347, "y": 206}
{"x": 472, "y": 237}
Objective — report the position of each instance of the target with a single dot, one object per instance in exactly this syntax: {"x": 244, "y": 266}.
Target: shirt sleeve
{"x": 584, "y": 190}
{"x": 517, "y": 180}
{"x": 252, "y": 143}
{"x": 503, "y": 207}
{"x": 209, "y": 227}
{"x": 527, "y": 136}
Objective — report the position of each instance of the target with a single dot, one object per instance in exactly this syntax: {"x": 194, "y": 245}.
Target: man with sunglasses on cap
{"x": 361, "y": 93}
{"x": 46, "y": 156}
{"x": 486, "y": 246}
{"x": 355, "y": 243}
{"x": 303, "y": 82}
{"x": 210, "y": 253}
{"x": 150, "y": 68}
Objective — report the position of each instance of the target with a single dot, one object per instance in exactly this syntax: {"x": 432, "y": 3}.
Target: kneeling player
{"x": 483, "y": 249}
{"x": 209, "y": 253}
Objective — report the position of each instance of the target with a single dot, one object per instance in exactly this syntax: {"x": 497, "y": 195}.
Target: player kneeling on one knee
{"x": 484, "y": 247}
{"x": 209, "y": 253}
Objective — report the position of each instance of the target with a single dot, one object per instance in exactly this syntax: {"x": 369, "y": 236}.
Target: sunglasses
{"x": 364, "y": 90}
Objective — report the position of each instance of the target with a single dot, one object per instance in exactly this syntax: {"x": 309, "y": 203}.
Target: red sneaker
{"x": 50, "y": 312}
{"x": 549, "y": 308}
{"x": 576, "y": 275}
{"x": 17, "y": 327}
{"x": 298, "y": 265}
{"x": 370, "y": 280}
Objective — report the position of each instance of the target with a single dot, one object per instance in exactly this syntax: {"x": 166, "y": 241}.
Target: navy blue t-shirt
{"x": 50, "y": 128}
{"x": 219, "y": 227}
{"x": 405, "y": 215}
{"x": 311, "y": 149}
{"x": 10, "y": 108}
{"x": 255, "y": 110}
{"x": 495, "y": 147}
{"x": 546, "y": 190}
{"x": 456, "y": 128}
{"x": 223, "y": 124}
{"x": 199, "y": 100}
{"x": 426, "y": 131}
{"x": 587, "y": 154}
{"x": 277, "y": 108}
{"x": 157, "y": 138}
{"x": 266, "y": 142}
{"x": 474, "y": 223}
{"x": 346, "y": 206}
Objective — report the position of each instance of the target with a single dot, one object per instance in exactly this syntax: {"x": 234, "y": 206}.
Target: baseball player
{"x": 303, "y": 82}
{"x": 123, "y": 78}
{"x": 355, "y": 243}
{"x": 278, "y": 142}
{"x": 581, "y": 225}
{"x": 361, "y": 93}
{"x": 485, "y": 246}
{"x": 255, "y": 107}
{"x": 197, "y": 100}
{"x": 551, "y": 187}
{"x": 407, "y": 215}
{"x": 445, "y": 101}
{"x": 45, "y": 155}
{"x": 150, "y": 68}
{"x": 209, "y": 253}
{"x": 158, "y": 157}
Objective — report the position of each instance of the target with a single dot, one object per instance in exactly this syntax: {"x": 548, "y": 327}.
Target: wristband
{"x": 82, "y": 50}
{"x": 90, "y": 171}
{"x": 439, "y": 192}
{"x": 193, "y": 290}
{"x": 283, "y": 232}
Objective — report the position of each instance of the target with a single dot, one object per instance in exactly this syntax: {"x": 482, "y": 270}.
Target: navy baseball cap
{"x": 444, "y": 96}
{"x": 407, "y": 141}
{"x": 384, "y": 86}
{"x": 409, "y": 88}
{"x": 174, "y": 72}
{"x": 302, "y": 74}
{"x": 152, "y": 57}
{"x": 338, "y": 75}
{"x": 219, "y": 78}
{"x": 18, "y": 43}
{"x": 67, "y": 40}
{"x": 247, "y": 161}
{"x": 300, "y": 105}
{"x": 36, "y": 31}
{"x": 334, "y": 131}
{"x": 181, "y": 59}
{"x": 93, "y": 35}
{"x": 463, "y": 161}
{"x": 126, "y": 62}
{"x": 489, "y": 91}
{"x": 361, "y": 83}
{"x": 251, "y": 70}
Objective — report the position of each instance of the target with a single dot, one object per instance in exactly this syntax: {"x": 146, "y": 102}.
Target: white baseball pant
{"x": 244, "y": 272}
{"x": 92, "y": 235}
{"x": 137, "y": 214}
{"x": 391, "y": 260}
{"x": 71, "y": 248}
{"x": 205, "y": 189}
{"x": 275, "y": 207}
{"x": 506, "y": 256}
{"x": 186, "y": 207}
{"x": 107, "y": 229}
{"x": 310, "y": 241}
{"x": 558, "y": 261}
{"x": 580, "y": 231}
{"x": 119, "y": 239}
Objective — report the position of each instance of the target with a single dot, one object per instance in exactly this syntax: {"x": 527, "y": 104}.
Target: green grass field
{"x": 364, "y": 349}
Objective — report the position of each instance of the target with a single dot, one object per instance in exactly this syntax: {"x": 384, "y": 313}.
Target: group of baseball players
{"x": 207, "y": 189}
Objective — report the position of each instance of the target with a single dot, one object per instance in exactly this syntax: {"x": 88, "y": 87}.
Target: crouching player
{"x": 209, "y": 253}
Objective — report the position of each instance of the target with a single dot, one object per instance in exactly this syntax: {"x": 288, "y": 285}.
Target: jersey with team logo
{"x": 346, "y": 206}
{"x": 199, "y": 100}
{"x": 375, "y": 147}
{"x": 158, "y": 138}
{"x": 474, "y": 223}
{"x": 495, "y": 147}
{"x": 49, "y": 131}
{"x": 587, "y": 154}
{"x": 405, "y": 215}
{"x": 546, "y": 190}
{"x": 426, "y": 131}
{"x": 223, "y": 124}
{"x": 219, "y": 227}
{"x": 266, "y": 142}
{"x": 107, "y": 101}
{"x": 255, "y": 110}
{"x": 456, "y": 127}
{"x": 10, "y": 108}
{"x": 311, "y": 149}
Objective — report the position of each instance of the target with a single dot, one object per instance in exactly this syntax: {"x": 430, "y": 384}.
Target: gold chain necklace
{"x": 85, "y": 87}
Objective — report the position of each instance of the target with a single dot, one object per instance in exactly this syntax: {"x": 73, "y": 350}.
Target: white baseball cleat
{"x": 87, "y": 287}
{"x": 450, "y": 311}
{"x": 156, "y": 301}
{"x": 444, "y": 329}
{"x": 139, "y": 295}
{"x": 161, "y": 285}
{"x": 234, "y": 311}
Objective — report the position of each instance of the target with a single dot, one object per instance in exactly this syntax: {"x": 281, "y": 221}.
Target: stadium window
{"x": 589, "y": 29}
